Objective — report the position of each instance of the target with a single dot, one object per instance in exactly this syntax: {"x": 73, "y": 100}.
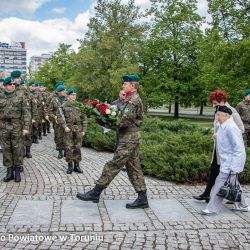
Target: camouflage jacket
{"x": 55, "y": 106}
{"x": 33, "y": 101}
{"x": 243, "y": 108}
{"x": 15, "y": 109}
{"x": 73, "y": 117}
{"x": 132, "y": 113}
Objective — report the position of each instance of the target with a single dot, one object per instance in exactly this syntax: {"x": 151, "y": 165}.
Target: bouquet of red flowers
{"x": 106, "y": 115}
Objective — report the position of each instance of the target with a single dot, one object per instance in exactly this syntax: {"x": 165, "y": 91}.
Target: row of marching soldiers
{"x": 26, "y": 112}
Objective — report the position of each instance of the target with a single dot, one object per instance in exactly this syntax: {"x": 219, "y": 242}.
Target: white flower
{"x": 114, "y": 107}
{"x": 113, "y": 113}
{"x": 108, "y": 111}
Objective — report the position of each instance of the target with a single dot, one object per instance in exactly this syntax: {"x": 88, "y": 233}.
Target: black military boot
{"x": 28, "y": 154}
{"x": 92, "y": 195}
{"x": 21, "y": 169}
{"x": 77, "y": 167}
{"x": 9, "y": 176}
{"x": 70, "y": 167}
{"x": 60, "y": 155}
{"x": 40, "y": 135}
{"x": 48, "y": 131}
{"x": 140, "y": 202}
{"x": 17, "y": 174}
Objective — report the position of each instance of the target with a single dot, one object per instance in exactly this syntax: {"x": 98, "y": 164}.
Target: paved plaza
{"x": 42, "y": 211}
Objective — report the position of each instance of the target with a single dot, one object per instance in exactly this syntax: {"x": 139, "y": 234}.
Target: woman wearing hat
{"x": 218, "y": 98}
{"x": 232, "y": 154}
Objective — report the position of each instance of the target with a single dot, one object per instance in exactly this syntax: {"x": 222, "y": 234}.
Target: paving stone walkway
{"x": 42, "y": 211}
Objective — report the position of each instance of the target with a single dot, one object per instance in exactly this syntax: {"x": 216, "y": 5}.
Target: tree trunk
{"x": 176, "y": 107}
{"x": 201, "y": 108}
{"x": 169, "y": 108}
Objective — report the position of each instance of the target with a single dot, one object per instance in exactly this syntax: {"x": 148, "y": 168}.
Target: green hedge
{"x": 173, "y": 150}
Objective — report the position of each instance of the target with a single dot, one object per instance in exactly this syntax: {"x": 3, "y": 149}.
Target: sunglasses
{"x": 12, "y": 84}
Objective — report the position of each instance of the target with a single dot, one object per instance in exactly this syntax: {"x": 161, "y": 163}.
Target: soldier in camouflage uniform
{"x": 51, "y": 96}
{"x": 46, "y": 124}
{"x": 34, "y": 117}
{"x": 36, "y": 100}
{"x": 14, "y": 122}
{"x": 56, "y": 108}
{"x": 243, "y": 108}
{"x": 74, "y": 122}
{"x": 127, "y": 152}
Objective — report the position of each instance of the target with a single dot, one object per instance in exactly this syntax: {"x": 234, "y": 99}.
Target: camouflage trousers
{"x": 126, "y": 154}
{"x": 12, "y": 143}
{"x": 246, "y": 137}
{"x": 73, "y": 144}
{"x": 59, "y": 136}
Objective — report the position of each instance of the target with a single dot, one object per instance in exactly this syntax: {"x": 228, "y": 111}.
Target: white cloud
{"x": 25, "y": 7}
{"x": 44, "y": 36}
{"x": 59, "y": 10}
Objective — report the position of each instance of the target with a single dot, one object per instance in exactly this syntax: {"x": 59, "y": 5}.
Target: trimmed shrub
{"x": 173, "y": 150}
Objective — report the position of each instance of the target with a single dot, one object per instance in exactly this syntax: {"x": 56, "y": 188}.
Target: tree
{"x": 169, "y": 59}
{"x": 60, "y": 66}
{"x": 109, "y": 49}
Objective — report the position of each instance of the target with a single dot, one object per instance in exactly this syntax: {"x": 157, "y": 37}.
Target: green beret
{"x": 59, "y": 83}
{"x": 131, "y": 78}
{"x": 22, "y": 82}
{"x": 60, "y": 88}
{"x": 71, "y": 90}
{"x": 31, "y": 83}
{"x": 7, "y": 81}
{"x": 42, "y": 84}
{"x": 16, "y": 73}
{"x": 246, "y": 92}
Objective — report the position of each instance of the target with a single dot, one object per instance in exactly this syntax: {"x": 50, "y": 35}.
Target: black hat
{"x": 224, "y": 109}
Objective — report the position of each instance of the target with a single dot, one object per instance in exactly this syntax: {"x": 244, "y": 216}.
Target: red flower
{"x": 103, "y": 108}
{"x": 128, "y": 94}
{"x": 85, "y": 101}
{"x": 94, "y": 103}
{"x": 98, "y": 106}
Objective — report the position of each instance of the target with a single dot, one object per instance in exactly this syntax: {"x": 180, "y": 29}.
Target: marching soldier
{"x": 56, "y": 108}
{"x": 243, "y": 108}
{"x": 127, "y": 151}
{"x": 16, "y": 76}
{"x": 15, "y": 121}
{"x": 74, "y": 122}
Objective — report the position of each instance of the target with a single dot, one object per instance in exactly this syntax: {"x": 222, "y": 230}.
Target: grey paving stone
{"x": 170, "y": 210}
{"x": 75, "y": 212}
{"x": 1, "y": 195}
{"x": 118, "y": 212}
{"x": 28, "y": 212}
{"x": 225, "y": 213}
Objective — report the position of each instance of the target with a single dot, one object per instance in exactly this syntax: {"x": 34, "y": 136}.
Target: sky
{"x": 43, "y": 24}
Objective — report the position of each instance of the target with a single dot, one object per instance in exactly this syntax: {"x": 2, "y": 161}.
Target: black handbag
{"x": 229, "y": 191}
